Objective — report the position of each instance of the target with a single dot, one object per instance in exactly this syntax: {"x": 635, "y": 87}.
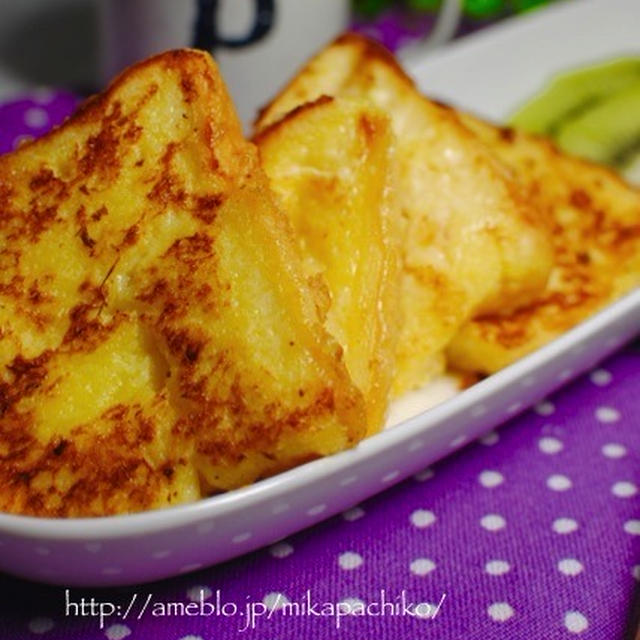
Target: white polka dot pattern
{"x": 425, "y": 474}
{"x": 350, "y": 560}
{"x": 607, "y": 415}
{"x": 614, "y": 450}
{"x": 575, "y": 622}
{"x": 40, "y": 625}
{"x": 493, "y": 522}
{"x": 241, "y": 537}
{"x": 490, "y": 479}
{"x": 198, "y": 593}
{"x": 281, "y": 550}
{"x": 570, "y": 567}
{"x": 353, "y": 514}
{"x": 458, "y": 441}
{"x": 275, "y": 600}
{"x": 624, "y": 489}
{"x": 422, "y": 518}
{"x": 490, "y": 439}
{"x": 550, "y": 445}
{"x": 317, "y": 510}
{"x": 390, "y": 477}
{"x": 600, "y": 377}
{"x": 545, "y": 408}
{"x": 558, "y": 482}
{"x": 193, "y": 566}
{"x": 36, "y": 118}
{"x": 564, "y": 525}
{"x": 422, "y": 566}
{"x": 497, "y": 567}
{"x": 500, "y": 611}
{"x": 117, "y": 632}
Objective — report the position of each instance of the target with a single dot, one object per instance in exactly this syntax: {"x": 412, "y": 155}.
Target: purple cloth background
{"x": 32, "y": 115}
{"x": 533, "y": 532}
{"x": 396, "y": 28}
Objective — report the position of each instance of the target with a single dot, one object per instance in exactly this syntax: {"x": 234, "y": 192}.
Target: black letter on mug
{"x": 206, "y": 34}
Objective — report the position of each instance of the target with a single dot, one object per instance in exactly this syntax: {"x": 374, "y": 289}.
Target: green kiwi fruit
{"x": 607, "y": 132}
{"x": 571, "y": 94}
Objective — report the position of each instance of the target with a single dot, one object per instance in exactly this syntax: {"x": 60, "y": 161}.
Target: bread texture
{"x": 473, "y": 243}
{"x": 332, "y": 165}
{"x": 594, "y": 222}
{"x": 159, "y": 340}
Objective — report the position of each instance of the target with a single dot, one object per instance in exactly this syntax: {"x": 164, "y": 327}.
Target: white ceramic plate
{"x": 490, "y": 73}
{"x": 494, "y": 71}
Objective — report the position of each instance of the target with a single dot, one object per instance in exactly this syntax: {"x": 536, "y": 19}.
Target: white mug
{"x": 258, "y": 44}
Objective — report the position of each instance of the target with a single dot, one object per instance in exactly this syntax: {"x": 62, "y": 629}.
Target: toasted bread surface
{"x": 473, "y": 243}
{"x": 158, "y": 338}
{"x": 594, "y": 219}
{"x": 331, "y": 164}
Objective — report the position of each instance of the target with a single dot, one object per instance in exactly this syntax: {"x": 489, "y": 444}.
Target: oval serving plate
{"x": 119, "y": 550}
{"x": 129, "y": 549}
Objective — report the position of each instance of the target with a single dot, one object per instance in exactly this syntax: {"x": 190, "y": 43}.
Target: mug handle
{"x": 206, "y": 34}
{"x": 444, "y": 29}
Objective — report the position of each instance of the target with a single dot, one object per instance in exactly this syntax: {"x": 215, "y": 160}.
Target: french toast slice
{"x": 331, "y": 164}
{"x": 473, "y": 243}
{"x": 595, "y": 228}
{"x": 158, "y": 338}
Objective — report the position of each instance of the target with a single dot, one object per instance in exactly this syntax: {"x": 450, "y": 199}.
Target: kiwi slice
{"x": 571, "y": 94}
{"x": 607, "y": 132}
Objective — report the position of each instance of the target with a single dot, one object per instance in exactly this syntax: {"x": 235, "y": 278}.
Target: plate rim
{"x": 114, "y": 527}
{"x": 168, "y": 518}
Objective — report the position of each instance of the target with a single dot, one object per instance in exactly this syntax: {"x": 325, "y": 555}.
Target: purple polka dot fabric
{"x": 531, "y": 532}
{"x": 33, "y": 115}
{"x": 396, "y": 27}
{"x": 394, "y": 30}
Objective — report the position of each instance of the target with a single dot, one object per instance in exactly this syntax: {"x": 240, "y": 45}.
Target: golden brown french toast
{"x": 473, "y": 243}
{"x": 595, "y": 228}
{"x": 158, "y": 338}
{"x": 331, "y": 164}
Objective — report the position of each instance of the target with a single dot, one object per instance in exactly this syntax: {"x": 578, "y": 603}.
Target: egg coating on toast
{"x": 473, "y": 243}
{"x": 331, "y": 163}
{"x": 594, "y": 222}
{"x": 158, "y": 338}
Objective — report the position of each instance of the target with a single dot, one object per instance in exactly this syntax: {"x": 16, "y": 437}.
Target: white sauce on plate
{"x": 415, "y": 402}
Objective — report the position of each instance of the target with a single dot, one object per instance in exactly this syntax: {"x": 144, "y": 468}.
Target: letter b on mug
{"x": 258, "y": 44}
